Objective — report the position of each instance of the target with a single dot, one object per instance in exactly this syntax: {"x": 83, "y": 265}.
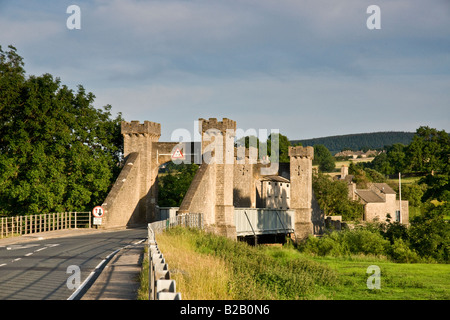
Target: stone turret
{"x": 301, "y": 189}
{"x": 142, "y": 138}
{"x": 218, "y": 143}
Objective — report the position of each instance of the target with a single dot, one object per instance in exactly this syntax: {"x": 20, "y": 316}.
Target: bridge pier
{"x": 301, "y": 189}
{"x": 221, "y": 181}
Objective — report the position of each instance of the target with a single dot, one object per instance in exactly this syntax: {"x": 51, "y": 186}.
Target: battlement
{"x": 301, "y": 152}
{"x": 212, "y": 123}
{"x": 135, "y": 127}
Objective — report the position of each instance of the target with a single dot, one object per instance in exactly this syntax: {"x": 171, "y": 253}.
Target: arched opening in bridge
{"x": 173, "y": 183}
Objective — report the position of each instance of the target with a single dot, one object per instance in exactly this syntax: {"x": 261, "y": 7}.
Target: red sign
{"x": 98, "y": 212}
{"x": 177, "y": 154}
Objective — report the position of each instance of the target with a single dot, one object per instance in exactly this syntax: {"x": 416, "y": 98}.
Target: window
{"x": 397, "y": 215}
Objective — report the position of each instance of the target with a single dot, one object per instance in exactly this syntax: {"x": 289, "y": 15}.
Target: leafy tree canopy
{"x": 282, "y": 144}
{"x": 332, "y": 197}
{"x": 324, "y": 158}
{"x": 173, "y": 185}
{"x": 57, "y": 152}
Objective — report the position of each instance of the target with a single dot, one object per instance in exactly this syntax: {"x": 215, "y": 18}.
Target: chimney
{"x": 344, "y": 172}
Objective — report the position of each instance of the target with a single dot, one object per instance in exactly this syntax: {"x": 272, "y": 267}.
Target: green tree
{"x": 429, "y": 233}
{"x": 248, "y": 141}
{"x": 324, "y": 158}
{"x": 374, "y": 175}
{"x": 429, "y": 150}
{"x": 57, "y": 152}
{"x": 172, "y": 187}
{"x": 359, "y": 175}
{"x": 392, "y": 161}
{"x": 332, "y": 197}
{"x": 397, "y": 158}
{"x": 282, "y": 146}
{"x": 413, "y": 193}
{"x": 381, "y": 164}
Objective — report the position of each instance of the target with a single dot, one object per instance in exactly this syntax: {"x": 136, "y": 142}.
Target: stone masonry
{"x": 301, "y": 189}
{"x": 227, "y": 177}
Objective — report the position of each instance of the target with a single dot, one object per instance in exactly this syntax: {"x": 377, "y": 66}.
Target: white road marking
{"x": 18, "y": 246}
{"x": 3, "y": 264}
{"x": 29, "y": 254}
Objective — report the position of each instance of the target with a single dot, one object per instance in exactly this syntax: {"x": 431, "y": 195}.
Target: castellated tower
{"x": 301, "y": 189}
{"x": 142, "y": 138}
{"x": 218, "y": 150}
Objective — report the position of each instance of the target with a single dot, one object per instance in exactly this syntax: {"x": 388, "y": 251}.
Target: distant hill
{"x": 359, "y": 141}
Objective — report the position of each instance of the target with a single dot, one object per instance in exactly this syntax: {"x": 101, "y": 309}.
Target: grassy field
{"x": 206, "y": 266}
{"x": 399, "y": 281}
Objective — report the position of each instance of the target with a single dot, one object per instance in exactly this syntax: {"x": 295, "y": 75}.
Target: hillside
{"x": 358, "y": 141}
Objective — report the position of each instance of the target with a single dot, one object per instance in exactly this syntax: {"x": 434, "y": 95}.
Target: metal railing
{"x": 160, "y": 286}
{"x": 22, "y": 225}
{"x": 257, "y": 221}
{"x": 192, "y": 220}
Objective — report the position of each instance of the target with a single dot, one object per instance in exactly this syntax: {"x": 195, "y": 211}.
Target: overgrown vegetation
{"x": 216, "y": 267}
{"x": 207, "y": 266}
{"x": 426, "y": 240}
{"x": 427, "y": 156}
{"x": 332, "y": 197}
{"x": 174, "y": 183}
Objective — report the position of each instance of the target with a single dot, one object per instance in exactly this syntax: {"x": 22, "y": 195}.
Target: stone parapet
{"x": 302, "y": 152}
{"x": 212, "y": 123}
{"x": 146, "y": 128}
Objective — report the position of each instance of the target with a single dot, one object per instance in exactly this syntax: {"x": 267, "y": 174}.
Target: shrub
{"x": 366, "y": 242}
{"x": 348, "y": 242}
{"x": 401, "y": 252}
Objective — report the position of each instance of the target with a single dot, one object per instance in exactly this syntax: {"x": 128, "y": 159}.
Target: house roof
{"x": 275, "y": 178}
{"x": 384, "y": 187}
{"x": 368, "y": 195}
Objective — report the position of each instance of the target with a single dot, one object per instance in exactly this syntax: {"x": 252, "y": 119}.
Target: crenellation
{"x": 231, "y": 180}
{"x": 301, "y": 152}
{"x": 147, "y": 128}
{"x": 212, "y": 123}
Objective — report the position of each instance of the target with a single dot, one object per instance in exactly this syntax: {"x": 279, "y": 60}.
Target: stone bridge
{"x": 228, "y": 178}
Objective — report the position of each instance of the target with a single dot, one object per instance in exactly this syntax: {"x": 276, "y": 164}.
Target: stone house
{"x": 379, "y": 200}
{"x": 275, "y": 192}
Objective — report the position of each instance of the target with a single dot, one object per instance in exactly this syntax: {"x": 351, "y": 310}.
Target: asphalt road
{"x": 40, "y": 270}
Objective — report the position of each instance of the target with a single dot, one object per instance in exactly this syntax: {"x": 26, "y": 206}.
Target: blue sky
{"x": 308, "y": 68}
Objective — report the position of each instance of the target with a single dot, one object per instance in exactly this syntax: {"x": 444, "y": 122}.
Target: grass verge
{"x": 206, "y": 266}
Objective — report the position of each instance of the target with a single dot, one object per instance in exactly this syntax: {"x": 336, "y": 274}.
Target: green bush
{"x": 401, "y": 252}
{"x": 346, "y": 243}
{"x": 362, "y": 241}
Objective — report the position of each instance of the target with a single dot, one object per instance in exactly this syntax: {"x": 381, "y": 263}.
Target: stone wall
{"x": 211, "y": 191}
{"x": 123, "y": 202}
{"x": 301, "y": 189}
{"x": 200, "y": 197}
{"x": 222, "y": 182}
{"x": 378, "y": 211}
{"x": 140, "y": 137}
{"x": 244, "y": 184}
